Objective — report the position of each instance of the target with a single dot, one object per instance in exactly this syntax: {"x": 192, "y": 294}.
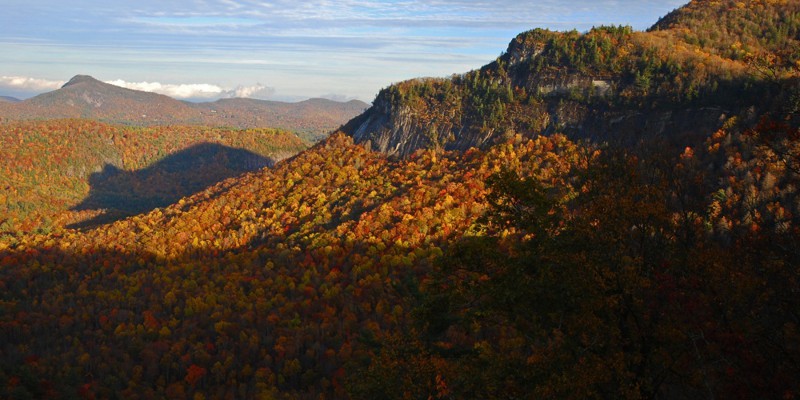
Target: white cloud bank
{"x": 257, "y": 91}
{"x": 29, "y": 84}
{"x": 197, "y": 90}
{"x": 180, "y": 91}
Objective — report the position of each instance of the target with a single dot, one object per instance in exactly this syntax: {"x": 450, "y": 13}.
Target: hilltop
{"x": 681, "y": 79}
{"x": 88, "y": 98}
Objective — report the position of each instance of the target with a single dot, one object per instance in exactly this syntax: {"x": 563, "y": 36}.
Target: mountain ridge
{"x": 590, "y": 85}
{"x": 86, "y": 97}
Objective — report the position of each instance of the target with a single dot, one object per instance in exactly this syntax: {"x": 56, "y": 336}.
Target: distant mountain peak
{"x": 84, "y": 96}
{"x": 79, "y": 79}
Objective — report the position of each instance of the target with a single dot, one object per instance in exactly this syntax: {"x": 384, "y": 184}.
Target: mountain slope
{"x": 734, "y": 29}
{"x": 105, "y": 172}
{"x": 609, "y": 83}
{"x": 8, "y": 99}
{"x": 86, "y": 97}
{"x": 311, "y": 278}
{"x": 534, "y": 268}
{"x": 307, "y": 259}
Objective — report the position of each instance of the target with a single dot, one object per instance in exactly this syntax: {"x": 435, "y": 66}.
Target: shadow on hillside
{"x": 122, "y": 193}
{"x": 96, "y": 281}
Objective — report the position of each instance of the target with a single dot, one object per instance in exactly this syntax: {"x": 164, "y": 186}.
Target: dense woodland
{"x": 62, "y": 172}
{"x": 566, "y": 271}
{"x": 542, "y": 265}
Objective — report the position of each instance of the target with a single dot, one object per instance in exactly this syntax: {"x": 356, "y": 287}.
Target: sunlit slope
{"x": 272, "y": 280}
{"x": 94, "y": 168}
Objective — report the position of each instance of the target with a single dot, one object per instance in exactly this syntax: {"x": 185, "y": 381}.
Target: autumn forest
{"x": 607, "y": 214}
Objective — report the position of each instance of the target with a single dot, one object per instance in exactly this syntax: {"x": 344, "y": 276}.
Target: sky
{"x": 286, "y": 50}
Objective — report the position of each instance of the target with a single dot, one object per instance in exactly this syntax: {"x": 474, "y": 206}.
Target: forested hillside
{"x": 608, "y": 84}
{"x": 268, "y": 283}
{"x": 61, "y": 172}
{"x": 603, "y": 215}
{"x": 736, "y": 30}
{"x": 345, "y": 274}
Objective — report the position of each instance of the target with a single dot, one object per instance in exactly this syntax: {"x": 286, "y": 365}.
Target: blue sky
{"x": 281, "y": 49}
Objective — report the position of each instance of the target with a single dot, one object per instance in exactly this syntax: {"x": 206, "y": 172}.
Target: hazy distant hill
{"x": 314, "y": 117}
{"x": 8, "y": 99}
{"x": 86, "y": 97}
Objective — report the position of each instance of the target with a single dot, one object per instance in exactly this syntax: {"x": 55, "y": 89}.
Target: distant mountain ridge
{"x": 315, "y": 116}
{"x": 86, "y": 97}
{"x": 9, "y": 99}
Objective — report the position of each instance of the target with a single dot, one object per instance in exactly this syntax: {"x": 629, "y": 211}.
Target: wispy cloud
{"x": 197, "y": 21}
{"x": 323, "y": 14}
{"x": 29, "y": 84}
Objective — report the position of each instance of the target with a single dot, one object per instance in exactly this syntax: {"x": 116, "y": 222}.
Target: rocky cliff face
{"x": 388, "y": 128}
{"x": 398, "y": 130}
